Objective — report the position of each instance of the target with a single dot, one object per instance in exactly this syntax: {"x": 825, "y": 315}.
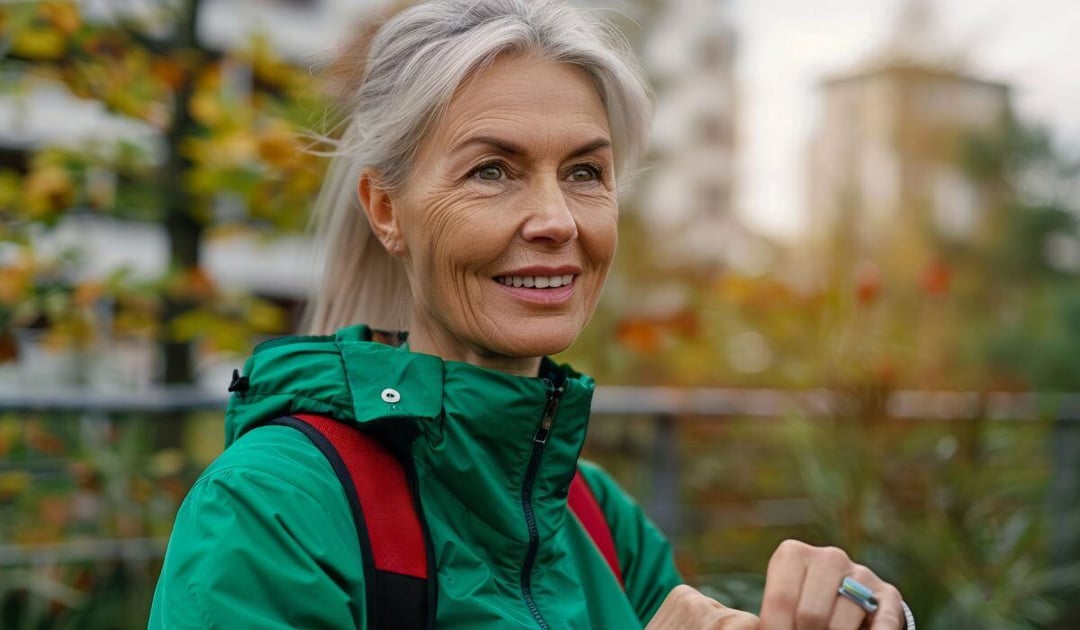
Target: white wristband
{"x": 909, "y": 619}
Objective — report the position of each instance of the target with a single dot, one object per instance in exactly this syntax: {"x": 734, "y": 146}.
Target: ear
{"x": 379, "y": 208}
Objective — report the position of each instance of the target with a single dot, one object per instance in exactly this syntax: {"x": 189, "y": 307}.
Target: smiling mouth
{"x": 536, "y": 282}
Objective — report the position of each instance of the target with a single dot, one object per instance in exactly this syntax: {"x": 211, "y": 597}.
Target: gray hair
{"x": 415, "y": 63}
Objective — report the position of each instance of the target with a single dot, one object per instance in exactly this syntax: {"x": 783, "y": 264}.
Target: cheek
{"x": 471, "y": 239}
{"x": 456, "y": 234}
{"x": 598, "y": 230}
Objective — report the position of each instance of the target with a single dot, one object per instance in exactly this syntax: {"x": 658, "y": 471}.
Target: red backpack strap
{"x": 398, "y": 573}
{"x": 587, "y": 509}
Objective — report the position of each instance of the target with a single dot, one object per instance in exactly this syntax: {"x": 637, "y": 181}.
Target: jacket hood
{"x": 352, "y": 378}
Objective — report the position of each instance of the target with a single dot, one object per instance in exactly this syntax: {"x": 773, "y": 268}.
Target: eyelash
{"x": 596, "y": 169}
{"x": 494, "y": 163}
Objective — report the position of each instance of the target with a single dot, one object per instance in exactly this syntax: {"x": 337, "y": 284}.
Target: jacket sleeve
{"x": 252, "y": 550}
{"x": 645, "y": 555}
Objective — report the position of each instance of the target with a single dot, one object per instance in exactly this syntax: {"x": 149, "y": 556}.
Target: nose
{"x": 550, "y": 218}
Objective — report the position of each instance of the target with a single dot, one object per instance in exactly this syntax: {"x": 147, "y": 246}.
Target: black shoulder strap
{"x": 399, "y": 573}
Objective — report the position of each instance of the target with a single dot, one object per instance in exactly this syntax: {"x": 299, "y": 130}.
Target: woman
{"x": 472, "y": 201}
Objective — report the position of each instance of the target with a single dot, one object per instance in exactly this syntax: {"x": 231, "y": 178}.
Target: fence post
{"x": 1065, "y": 485}
{"x": 664, "y": 495}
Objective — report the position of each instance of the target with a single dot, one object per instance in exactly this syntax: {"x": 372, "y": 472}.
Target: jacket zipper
{"x": 539, "y": 440}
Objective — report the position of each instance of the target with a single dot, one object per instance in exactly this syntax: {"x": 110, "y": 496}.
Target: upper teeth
{"x": 538, "y": 282}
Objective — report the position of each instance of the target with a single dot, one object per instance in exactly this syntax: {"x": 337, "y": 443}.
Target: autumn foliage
{"x": 219, "y": 148}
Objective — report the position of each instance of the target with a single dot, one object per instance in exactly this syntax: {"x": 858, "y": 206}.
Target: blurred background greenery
{"x": 894, "y": 380}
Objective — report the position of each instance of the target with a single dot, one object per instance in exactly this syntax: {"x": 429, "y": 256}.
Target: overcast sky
{"x": 786, "y": 46}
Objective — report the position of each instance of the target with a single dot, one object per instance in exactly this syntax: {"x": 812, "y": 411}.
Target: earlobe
{"x": 379, "y": 209}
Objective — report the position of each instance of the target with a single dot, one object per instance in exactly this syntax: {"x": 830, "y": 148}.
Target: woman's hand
{"x": 801, "y": 592}
{"x": 685, "y": 608}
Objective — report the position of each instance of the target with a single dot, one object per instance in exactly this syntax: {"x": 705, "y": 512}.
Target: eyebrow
{"x": 513, "y": 149}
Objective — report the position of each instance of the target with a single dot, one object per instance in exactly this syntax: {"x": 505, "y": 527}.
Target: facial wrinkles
{"x": 449, "y": 215}
{"x": 455, "y": 211}
{"x": 547, "y": 151}
{"x": 472, "y": 229}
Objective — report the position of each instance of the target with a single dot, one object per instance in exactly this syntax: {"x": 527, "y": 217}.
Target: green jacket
{"x": 265, "y": 538}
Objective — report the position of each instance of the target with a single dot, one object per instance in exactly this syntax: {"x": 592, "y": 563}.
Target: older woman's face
{"x": 509, "y": 215}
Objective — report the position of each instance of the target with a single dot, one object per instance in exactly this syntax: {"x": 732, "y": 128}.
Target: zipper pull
{"x": 544, "y": 431}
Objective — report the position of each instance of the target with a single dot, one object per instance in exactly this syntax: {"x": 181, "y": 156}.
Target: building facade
{"x": 687, "y": 194}
{"x": 887, "y": 182}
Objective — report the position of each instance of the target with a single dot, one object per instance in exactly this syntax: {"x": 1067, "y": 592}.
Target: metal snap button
{"x": 391, "y": 395}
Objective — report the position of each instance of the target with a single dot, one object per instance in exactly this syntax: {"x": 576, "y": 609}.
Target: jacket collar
{"x": 473, "y": 430}
{"x": 481, "y": 448}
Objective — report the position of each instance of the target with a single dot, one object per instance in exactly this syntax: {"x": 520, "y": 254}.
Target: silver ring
{"x": 858, "y": 593}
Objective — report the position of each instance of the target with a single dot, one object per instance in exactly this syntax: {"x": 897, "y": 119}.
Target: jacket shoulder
{"x": 267, "y": 520}
{"x": 281, "y": 452}
{"x": 645, "y": 554}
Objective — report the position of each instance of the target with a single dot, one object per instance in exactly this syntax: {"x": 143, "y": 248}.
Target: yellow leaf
{"x": 206, "y": 108}
{"x": 190, "y": 325}
{"x": 39, "y": 43}
{"x": 227, "y": 336}
{"x": 264, "y": 317}
{"x": 48, "y": 191}
{"x": 74, "y": 330}
{"x": 87, "y": 293}
{"x": 14, "y": 284}
{"x": 10, "y": 188}
{"x": 9, "y": 432}
{"x": 64, "y": 15}
{"x": 236, "y": 149}
{"x": 13, "y": 483}
{"x": 278, "y": 145}
{"x": 129, "y": 323}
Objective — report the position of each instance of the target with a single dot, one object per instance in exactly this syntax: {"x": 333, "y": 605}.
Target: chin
{"x": 537, "y": 345}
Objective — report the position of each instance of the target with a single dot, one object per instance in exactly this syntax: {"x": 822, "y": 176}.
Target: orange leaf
{"x": 639, "y": 335}
{"x": 9, "y": 351}
{"x": 867, "y": 285}
{"x": 936, "y": 278}
{"x": 168, "y": 71}
{"x": 14, "y": 284}
{"x": 278, "y": 145}
{"x": 48, "y": 191}
{"x": 88, "y": 292}
{"x": 64, "y": 15}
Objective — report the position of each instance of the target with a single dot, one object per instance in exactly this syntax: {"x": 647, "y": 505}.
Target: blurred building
{"x": 687, "y": 195}
{"x": 886, "y": 180}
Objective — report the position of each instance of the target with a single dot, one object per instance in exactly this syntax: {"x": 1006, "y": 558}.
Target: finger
{"x": 818, "y": 601}
{"x": 731, "y": 619}
{"x": 783, "y": 585}
{"x": 685, "y": 607}
{"x": 854, "y": 615}
{"x": 890, "y": 614}
{"x": 846, "y": 614}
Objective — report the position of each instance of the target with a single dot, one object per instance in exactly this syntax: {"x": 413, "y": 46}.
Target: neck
{"x": 423, "y": 339}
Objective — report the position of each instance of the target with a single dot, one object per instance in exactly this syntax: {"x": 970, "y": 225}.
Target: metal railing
{"x": 663, "y": 405}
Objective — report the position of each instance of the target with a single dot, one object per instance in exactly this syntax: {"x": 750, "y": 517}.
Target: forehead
{"x": 542, "y": 101}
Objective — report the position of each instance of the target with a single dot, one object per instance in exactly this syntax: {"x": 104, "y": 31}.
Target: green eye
{"x": 490, "y": 173}
{"x": 584, "y": 174}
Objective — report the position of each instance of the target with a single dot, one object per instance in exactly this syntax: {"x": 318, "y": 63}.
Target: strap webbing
{"x": 400, "y": 582}
{"x": 584, "y": 505}
{"x": 393, "y": 541}
{"x": 393, "y": 526}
